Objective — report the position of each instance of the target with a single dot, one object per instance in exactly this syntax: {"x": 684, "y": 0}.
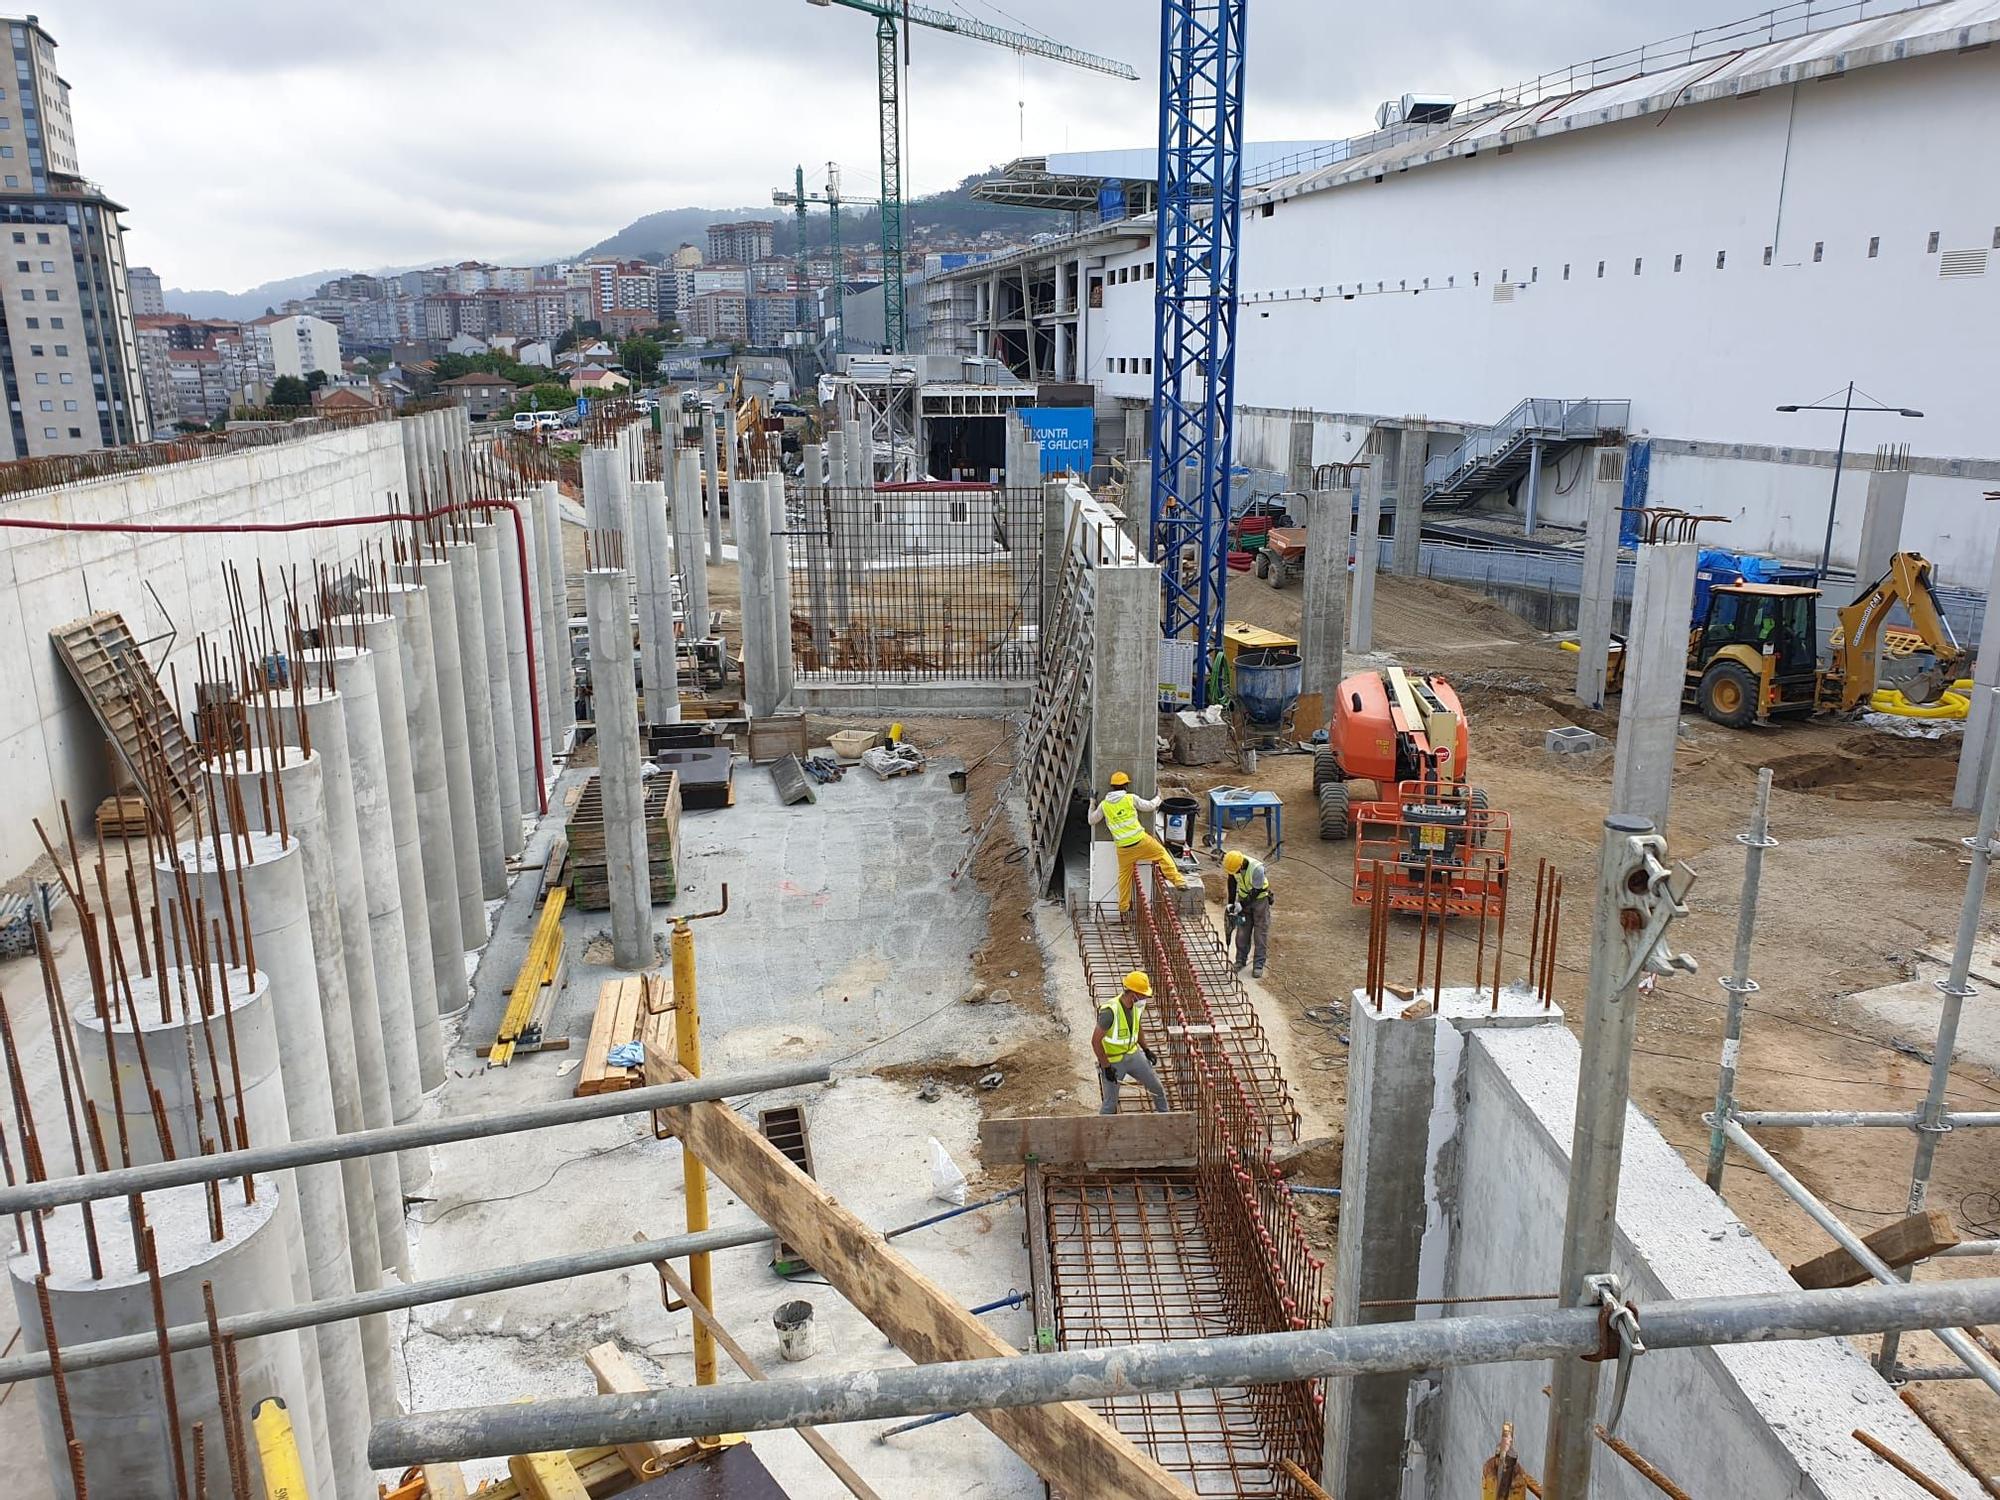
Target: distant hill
{"x": 242, "y": 306}
{"x": 956, "y": 211}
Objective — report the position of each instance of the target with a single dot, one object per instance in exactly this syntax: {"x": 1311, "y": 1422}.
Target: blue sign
{"x": 582, "y": 407}
{"x": 1068, "y": 435}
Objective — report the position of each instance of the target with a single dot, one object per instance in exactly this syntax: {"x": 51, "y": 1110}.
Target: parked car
{"x": 567, "y": 434}
{"x": 524, "y": 421}
{"x": 550, "y": 420}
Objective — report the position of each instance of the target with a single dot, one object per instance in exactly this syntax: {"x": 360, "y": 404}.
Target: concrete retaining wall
{"x": 50, "y": 746}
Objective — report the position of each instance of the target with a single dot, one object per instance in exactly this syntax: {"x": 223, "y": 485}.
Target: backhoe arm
{"x": 1857, "y": 664}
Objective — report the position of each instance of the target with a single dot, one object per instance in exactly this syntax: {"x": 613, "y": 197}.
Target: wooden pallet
{"x": 638, "y": 1008}
{"x": 122, "y": 815}
{"x": 125, "y": 698}
{"x": 589, "y": 884}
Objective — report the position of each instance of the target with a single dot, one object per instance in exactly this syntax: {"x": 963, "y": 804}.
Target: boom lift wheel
{"x": 1325, "y": 769}
{"x": 1333, "y": 811}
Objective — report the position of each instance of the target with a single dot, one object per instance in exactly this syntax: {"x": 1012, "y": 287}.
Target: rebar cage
{"x": 914, "y": 583}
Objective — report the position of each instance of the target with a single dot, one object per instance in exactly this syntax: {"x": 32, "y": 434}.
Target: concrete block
{"x": 1572, "y": 739}
{"x": 1197, "y": 743}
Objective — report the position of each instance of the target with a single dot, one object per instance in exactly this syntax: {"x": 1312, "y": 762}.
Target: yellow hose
{"x": 1951, "y": 705}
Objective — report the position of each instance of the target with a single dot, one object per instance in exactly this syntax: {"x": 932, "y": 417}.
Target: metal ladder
{"x": 126, "y": 700}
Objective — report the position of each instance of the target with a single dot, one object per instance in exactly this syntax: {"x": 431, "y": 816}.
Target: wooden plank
{"x": 616, "y": 1377}
{"x": 546, "y": 1476}
{"x": 1898, "y": 1244}
{"x": 672, "y": 1282}
{"x": 1147, "y": 1140}
{"x": 625, "y": 1028}
{"x": 590, "y": 1078}
{"x": 1041, "y": 1283}
{"x": 1067, "y": 1444}
{"x": 444, "y": 1482}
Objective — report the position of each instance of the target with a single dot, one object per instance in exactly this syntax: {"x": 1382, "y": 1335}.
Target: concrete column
{"x": 294, "y": 922}
{"x": 1649, "y": 710}
{"x": 604, "y": 507}
{"x": 729, "y": 454}
{"x": 237, "y": 1027}
{"x": 813, "y": 543}
{"x": 119, "y": 1416}
{"x": 339, "y": 840}
{"x": 393, "y": 671}
{"x": 440, "y": 585}
{"x": 477, "y": 690}
{"x": 500, "y": 689}
{"x": 711, "y": 488}
{"x": 762, "y": 681}
{"x": 652, "y": 561}
{"x": 1599, "y": 589}
{"x": 623, "y": 792}
{"x": 1323, "y": 625}
{"x": 1299, "y": 460}
{"x": 1980, "y": 724}
{"x": 1136, "y": 432}
{"x": 1125, "y": 681}
{"x": 1055, "y": 529}
{"x": 1367, "y": 558}
{"x": 1533, "y": 502}
{"x": 1391, "y": 1066}
{"x": 781, "y": 583}
{"x": 430, "y": 797}
{"x": 556, "y": 671}
{"x": 357, "y": 679}
{"x": 1406, "y": 553}
{"x": 837, "y": 519}
{"x": 690, "y": 562}
{"x": 1881, "y": 525}
{"x": 514, "y": 598}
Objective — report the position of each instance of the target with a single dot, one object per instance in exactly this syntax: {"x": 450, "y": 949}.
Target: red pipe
{"x": 19, "y": 523}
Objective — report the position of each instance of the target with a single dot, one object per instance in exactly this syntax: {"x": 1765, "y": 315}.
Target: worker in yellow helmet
{"x": 1118, "y": 810}
{"x": 1120, "y": 1054}
{"x": 1248, "y": 913}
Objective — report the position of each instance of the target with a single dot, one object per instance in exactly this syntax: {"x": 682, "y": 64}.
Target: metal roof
{"x": 1926, "y": 30}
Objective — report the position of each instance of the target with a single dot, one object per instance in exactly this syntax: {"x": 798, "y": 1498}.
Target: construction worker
{"x": 1248, "y": 913}
{"x": 1118, "y": 810}
{"x": 1116, "y": 1043}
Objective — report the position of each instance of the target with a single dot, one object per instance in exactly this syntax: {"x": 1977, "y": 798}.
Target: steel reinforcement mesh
{"x": 914, "y": 583}
{"x": 1216, "y": 1248}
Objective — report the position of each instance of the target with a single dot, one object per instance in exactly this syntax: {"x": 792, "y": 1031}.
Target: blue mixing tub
{"x": 1267, "y": 684}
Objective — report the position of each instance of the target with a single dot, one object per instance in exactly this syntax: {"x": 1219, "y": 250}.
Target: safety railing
{"x": 1557, "y": 418}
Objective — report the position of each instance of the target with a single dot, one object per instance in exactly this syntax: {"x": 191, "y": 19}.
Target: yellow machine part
{"x": 1240, "y": 635}
{"x": 278, "y": 1451}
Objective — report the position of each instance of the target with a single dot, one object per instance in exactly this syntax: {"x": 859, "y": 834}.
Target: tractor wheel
{"x": 1729, "y": 695}
{"x": 1281, "y": 573}
{"x": 1262, "y": 565}
{"x": 1333, "y": 811}
{"x": 1326, "y": 768}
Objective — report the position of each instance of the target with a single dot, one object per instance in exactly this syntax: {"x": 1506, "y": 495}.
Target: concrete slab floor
{"x": 1911, "y": 1008}
{"x": 844, "y": 941}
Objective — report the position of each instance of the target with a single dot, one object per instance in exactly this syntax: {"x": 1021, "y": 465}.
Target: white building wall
{"x": 51, "y": 748}
{"x": 302, "y": 344}
{"x": 1704, "y": 353}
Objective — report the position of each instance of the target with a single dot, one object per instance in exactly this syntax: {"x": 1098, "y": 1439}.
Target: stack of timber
{"x": 536, "y": 988}
{"x": 635, "y": 1009}
{"x": 589, "y": 887}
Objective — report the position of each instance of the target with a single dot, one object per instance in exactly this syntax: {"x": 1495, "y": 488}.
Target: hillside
{"x": 954, "y": 213}
{"x": 242, "y": 306}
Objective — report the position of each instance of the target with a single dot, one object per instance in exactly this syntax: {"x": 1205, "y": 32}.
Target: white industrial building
{"x": 1708, "y": 239}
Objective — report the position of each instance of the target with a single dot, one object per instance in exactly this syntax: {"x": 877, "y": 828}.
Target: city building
{"x": 71, "y": 368}
{"x": 479, "y": 393}
{"x": 149, "y": 300}
{"x": 294, "y": 344}
{"x": 1393, "y": 274}
{"x": 686, "y": 258}
{"x": 741, "y": 243}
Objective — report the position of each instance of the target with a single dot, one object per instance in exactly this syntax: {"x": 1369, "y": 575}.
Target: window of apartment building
{"x": 54, "y": 322}
{"x": 1677, "y": 265}
{"x": 52, "y": 295}
{"x": 48, "y": 406}
{"x": 1720, "y": 256}
{"x": 62, "y": 351}
{"x": 1819, "y": 251}
{"x": 1600, "y": 270}
{"x": 69, "y": 406}
{"x": 48, "y": 267}
{"x": 20, "y": 238}
{"x": 41, "y": 377}
{"x": 1931, "y": 246}
{"x": 36, "y": 350}
{"x": 1148, "y": 363}
{"x": 42, "y": 237}
{"x": 34, "y": 322}
{"x": 76, "y": 432}
{"x": 66, "y": 378}
{"x": 48, "y": 432}
{"x": 27, "y": 294}
{"x": 1874, "y": 245}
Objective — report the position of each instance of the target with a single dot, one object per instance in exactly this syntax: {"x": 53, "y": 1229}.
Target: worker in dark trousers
{"x": 1248, "y": 913}
{"x": 1116, "y": 1042}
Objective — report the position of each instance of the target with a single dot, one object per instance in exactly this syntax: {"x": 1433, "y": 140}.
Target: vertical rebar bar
{"x": 1738, "y": 984}
{"x": 1954, "y": 987}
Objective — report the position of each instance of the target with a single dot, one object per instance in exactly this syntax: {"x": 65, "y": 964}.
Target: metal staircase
{"x": 1492, "y": 458}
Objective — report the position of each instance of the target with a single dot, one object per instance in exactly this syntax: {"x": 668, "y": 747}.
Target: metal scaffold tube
{"x": 1187, "y": 1364}
{"x": 1975, "y": 1360}
{"x": 124, "y": 1181}
{"x": 1737, "y": 983}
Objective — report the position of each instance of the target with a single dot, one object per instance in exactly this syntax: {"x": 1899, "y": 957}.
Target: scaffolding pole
{"x": 1737, "y": 983}
{"x": 1959, "y": 1344}
{"x": 123, "y": 1182}
{"x": 1133, "y": 1369}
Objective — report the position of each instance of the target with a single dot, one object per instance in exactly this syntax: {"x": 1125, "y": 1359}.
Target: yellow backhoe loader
{"x": 1755, "y": 658}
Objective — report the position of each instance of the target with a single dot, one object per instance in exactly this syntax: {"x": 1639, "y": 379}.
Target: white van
{"x": 524, "y": 421}
{"x": 548, "y": 421}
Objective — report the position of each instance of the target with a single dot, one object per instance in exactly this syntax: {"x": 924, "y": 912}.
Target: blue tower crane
{"x": 1194, "y": 315}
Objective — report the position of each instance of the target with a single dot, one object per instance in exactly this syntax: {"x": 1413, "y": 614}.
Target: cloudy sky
{"x": 253, "y": 140}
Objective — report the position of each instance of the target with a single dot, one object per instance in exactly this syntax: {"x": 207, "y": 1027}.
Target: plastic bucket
{"x": 1177, "y": 815}
{"x": 797, "y": 1337}
{"x": 957, "y": 780}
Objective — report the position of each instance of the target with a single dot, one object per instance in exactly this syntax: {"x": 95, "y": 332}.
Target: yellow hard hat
{"x": 1119, "y": 778}
{"x": 1233, "y": 860}
{"x": 1138, "y": 983}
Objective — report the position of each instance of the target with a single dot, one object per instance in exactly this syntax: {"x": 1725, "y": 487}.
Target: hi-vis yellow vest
{"x": 1122, "y": 1040}
{"x": 1121, "y": 816}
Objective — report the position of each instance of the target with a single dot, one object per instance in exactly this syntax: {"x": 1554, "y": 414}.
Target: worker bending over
{"x": 1248, "y": 913}
{"x": 1119, "y": 811}
{"x": 1116, "y": 1043}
